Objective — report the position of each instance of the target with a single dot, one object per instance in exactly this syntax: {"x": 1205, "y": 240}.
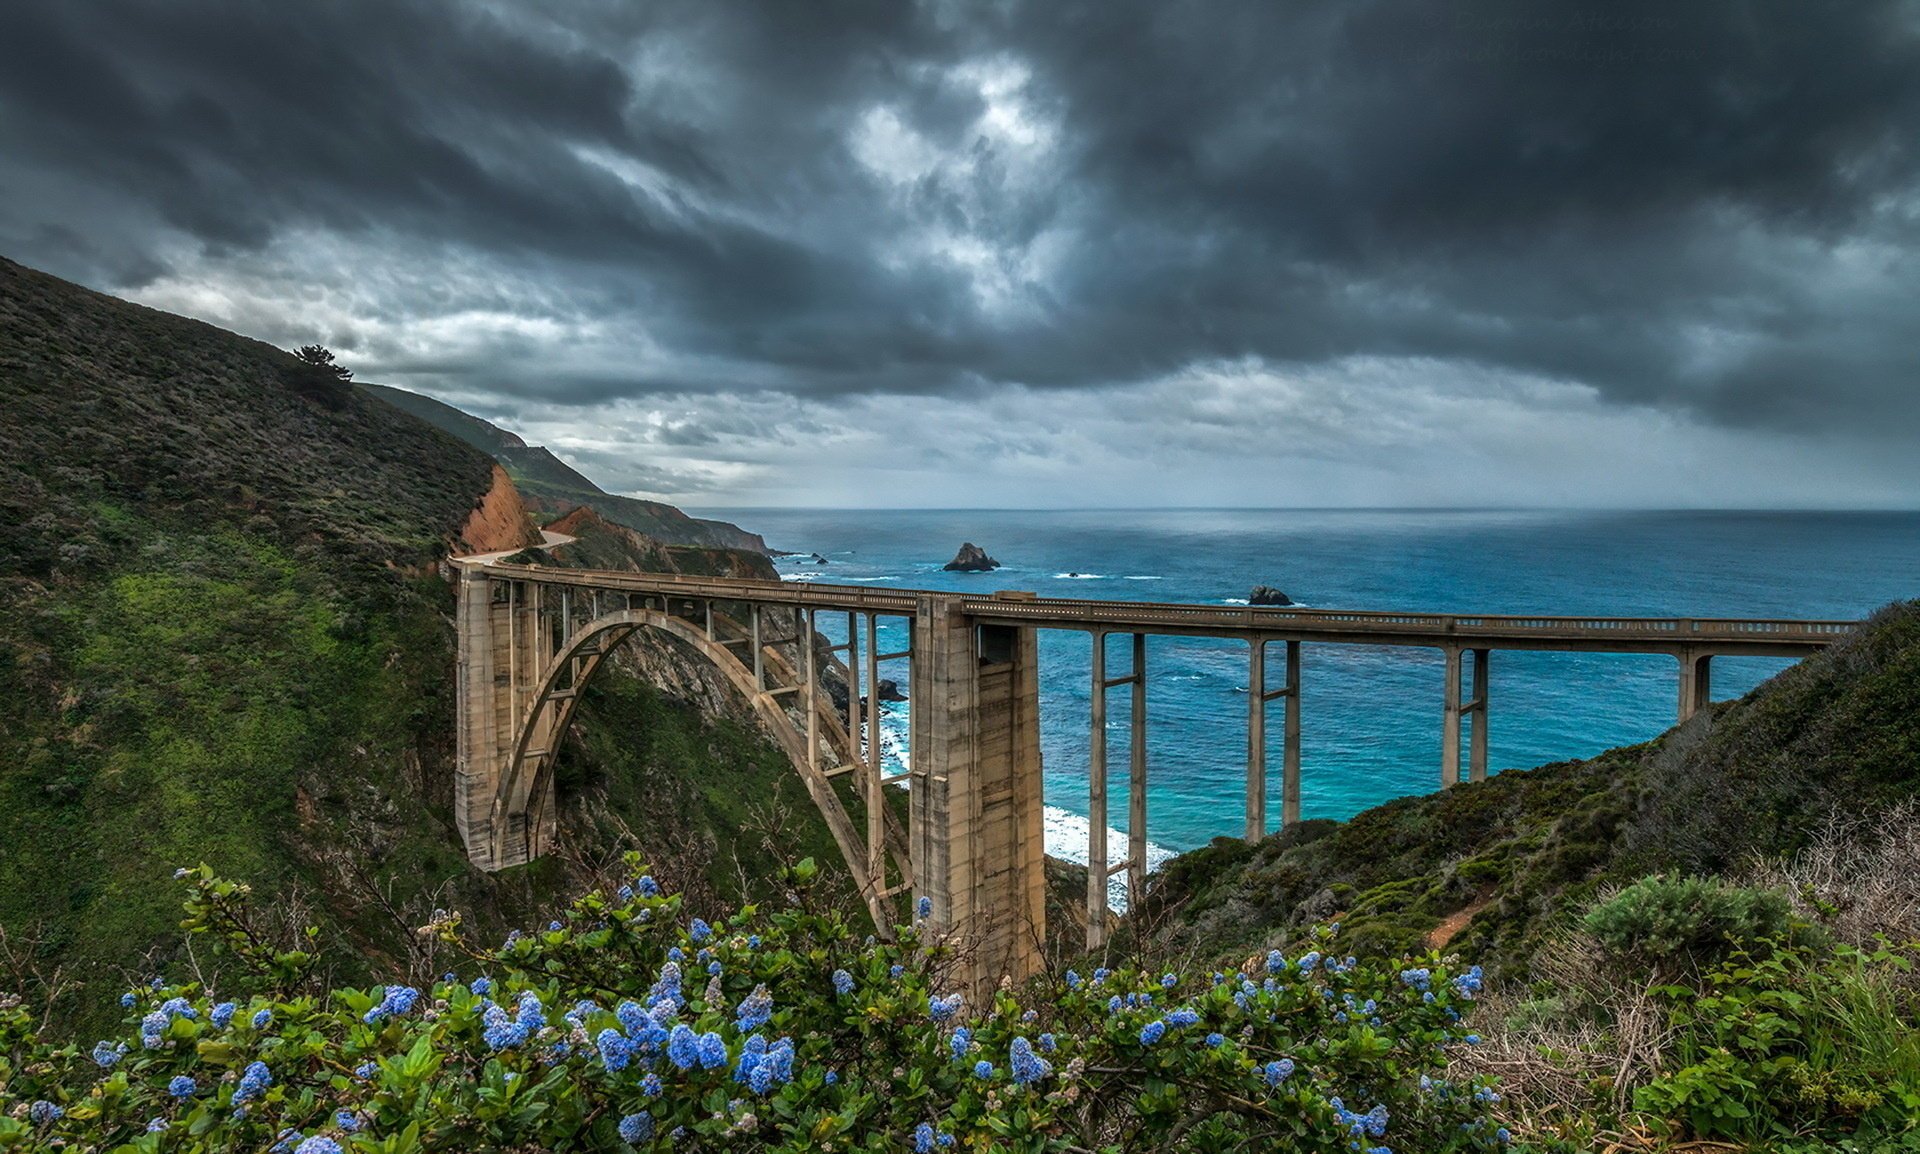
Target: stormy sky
{"x": 1045, "y": 253}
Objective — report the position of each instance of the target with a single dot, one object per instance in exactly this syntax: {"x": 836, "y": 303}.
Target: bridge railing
{"x": 1078, "y": 613}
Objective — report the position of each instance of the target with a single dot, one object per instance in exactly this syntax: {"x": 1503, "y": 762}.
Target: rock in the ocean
{"x": 1268, "y": 595}
{"x": 971, "y": 559}
{"x": 818, "y": 560}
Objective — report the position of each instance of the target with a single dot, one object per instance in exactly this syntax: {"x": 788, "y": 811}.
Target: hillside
{"x": 224, "y": 636}
{"x": 1501, "y": 862}
{"x": 551, "y": 486}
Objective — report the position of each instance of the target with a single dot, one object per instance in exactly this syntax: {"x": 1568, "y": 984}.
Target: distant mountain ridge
{"x": 550, "y": 485}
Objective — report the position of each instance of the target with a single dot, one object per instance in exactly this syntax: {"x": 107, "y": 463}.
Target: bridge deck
{"x": 1730, "y": 636}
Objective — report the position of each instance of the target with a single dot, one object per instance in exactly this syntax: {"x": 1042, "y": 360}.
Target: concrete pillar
{"x": 1137, "y": 779}
{"x": 1477, "y": 757}
{"x": 477, "y": 760}
{"x": 1696, "y": 681}
{"x": 1450, "y": 721}
{"x": 1256, "y": 807}
{"x": 978, "y": 837}
{"x": 1290, "y": 755}
{"x": 1097, "y": 800}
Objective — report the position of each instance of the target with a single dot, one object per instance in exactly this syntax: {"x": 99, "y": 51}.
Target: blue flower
{"x": 842, "y": 982}
{"x": 1278, "y": 1071}
{"x": 1216, "y": 1040}
{"x": 223, "y": 1014}
{"x": 923, "y": 1139}
{"x": 983, "y": 1069}
{"x": 894, "y": 971}
{"x": 624, "y": 893}
{"x": 261, "y": 1019}
{"x": 1073, "y": 980}
{"x": 650, "y": 1085}
{"x": 1473, "y": 1039}
{"x": 615, "y": 1049}
{"x": 106, "y": 1054}
{"x": 394, "y": 1000}
{"x": 1418, "y": 978}
{"x": 253, "y": 1082}
{"x": 366, "y": 1070}
{"x": 1100, "y": 975}
{"x": 755, "y": 1010}
{"x": 156, "y": 1125}
{"x": 1026, "y": 1065}
{"x": 648, "y": 887}
{"x": 44, "y": 1112}
{"x": 347, "y": 1120}
{"x": 153, "y": 1029}
{"x": 636, "y": 1128}
{"x": 1311, "y": 960}
{"x": 318, "y": 1144}
{"x": 1168, "y": 981}
{"x": 960, "y": 1043}
{"x": 683, "y": 1047}
{"x": 924, "y": 907}
{"x": 940, "y": 1009}
{"x": 283, "y": 1143}
{"x": 713, "y": 1050}
{"x": 181, "y": 1086}
{"x": 127, "y": 999}
{"x": 482, "y": 987}
{"x": 1047, "y": 1043}
{"x": 552, "y": 926}
{"x": 1152, "y": 1032}
{"x": 699, "y": 931}
{"x": 1376, "y": 1121}
{"x": 1276, "y": 961}
{"x": 1183, "y": 1017}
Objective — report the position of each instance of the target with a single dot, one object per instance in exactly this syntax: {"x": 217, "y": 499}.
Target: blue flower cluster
{"x": 501, "y": 1032}
{"x": 842, "y": 983}
{"x": 755, "y": 1010}
{"x": 253, "y": 1082}
{"x": 764, "y": 1066}
{"x": 636, "y": 1128}
{"x": 940, "y": 1009}
{"x": 960, "y": 1043}
{"x": 394, "y": 1000}
{"x": 925, "y": 1138}
{"x": 1027, "y": 1067}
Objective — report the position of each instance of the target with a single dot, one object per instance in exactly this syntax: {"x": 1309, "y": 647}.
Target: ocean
{"x": 1371, "y": 716}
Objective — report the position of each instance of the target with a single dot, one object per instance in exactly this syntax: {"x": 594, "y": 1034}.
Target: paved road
{"x": 548, "y": 540}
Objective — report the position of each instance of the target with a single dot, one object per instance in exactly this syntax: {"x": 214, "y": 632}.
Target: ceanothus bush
{"x": 626, "y": 1024}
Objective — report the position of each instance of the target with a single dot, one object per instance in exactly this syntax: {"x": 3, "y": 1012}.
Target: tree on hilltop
{"x": 315, "y": 375}
{"x": 320, "y": 359}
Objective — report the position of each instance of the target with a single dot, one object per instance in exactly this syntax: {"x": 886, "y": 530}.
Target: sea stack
{"x": 1267, "y": 595}
{"x": 971, "y": 559}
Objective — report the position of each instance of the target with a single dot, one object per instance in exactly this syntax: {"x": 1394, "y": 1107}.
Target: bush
{"x": 1798, "y": 1042}
{"x": 624, "y": 1025}
{"x": 1672, "y": 925}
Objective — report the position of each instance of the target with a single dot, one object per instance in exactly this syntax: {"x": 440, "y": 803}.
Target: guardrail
{"x": 1123, "y": 616}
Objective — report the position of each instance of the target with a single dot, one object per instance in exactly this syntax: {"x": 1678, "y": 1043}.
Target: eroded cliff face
{"x": 500, "y": 520}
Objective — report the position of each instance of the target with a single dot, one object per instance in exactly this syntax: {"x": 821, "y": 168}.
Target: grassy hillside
{"x": 1502, "y": 862}
{"x": 223, "y": 637}
{"x": 553, "y": 487}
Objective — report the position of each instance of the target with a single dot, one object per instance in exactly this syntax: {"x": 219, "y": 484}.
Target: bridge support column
{"x": 1696, "y": 681}
{"x": 978, "y": 834}
{"x": 1450, "y": 721}
{"x": 1257, "y": 697}
{"x": 497, "y": 635}
{"x": 1477, "y": 750}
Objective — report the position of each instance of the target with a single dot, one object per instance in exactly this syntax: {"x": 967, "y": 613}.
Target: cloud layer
{"x": 878, "y": 253}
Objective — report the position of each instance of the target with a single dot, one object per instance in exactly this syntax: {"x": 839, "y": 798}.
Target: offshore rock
{"x": 1267, "y": 595}
{"x": 971, "y": 559}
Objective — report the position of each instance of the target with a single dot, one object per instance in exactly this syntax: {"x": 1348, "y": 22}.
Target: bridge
{"x": 531, "y": 637}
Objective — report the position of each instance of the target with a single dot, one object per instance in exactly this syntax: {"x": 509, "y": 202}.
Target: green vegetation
{"x": 622, "y": 1026}
{"x": 224, "y": 638}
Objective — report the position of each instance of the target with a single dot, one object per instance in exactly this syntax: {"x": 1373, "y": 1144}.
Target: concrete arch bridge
{"x": 531, "y": 637}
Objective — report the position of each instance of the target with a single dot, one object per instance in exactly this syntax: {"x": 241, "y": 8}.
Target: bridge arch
{"x": 522, "y": 811}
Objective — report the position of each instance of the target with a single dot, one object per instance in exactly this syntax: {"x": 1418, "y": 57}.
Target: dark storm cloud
{"x": 1711, "y": 206}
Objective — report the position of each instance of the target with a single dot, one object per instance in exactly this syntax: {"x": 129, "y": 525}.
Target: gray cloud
{"x": 1707, "y": 210}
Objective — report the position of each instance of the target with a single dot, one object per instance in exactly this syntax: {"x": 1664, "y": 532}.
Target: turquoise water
{"x": 1371, "y": 715}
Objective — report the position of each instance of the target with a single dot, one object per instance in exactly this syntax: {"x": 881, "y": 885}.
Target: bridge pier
{"x": 978, "y": 829}
{"x": 1456, "y": 711}
{"x": 1257, "y": 697}
{"x": 1696, "y": 681}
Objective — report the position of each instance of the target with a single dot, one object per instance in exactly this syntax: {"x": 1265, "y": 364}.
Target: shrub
{"x": 1669, "y": 925}
{"x": 1793, "y": 1043}
{"x": 625, "y": 1024}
